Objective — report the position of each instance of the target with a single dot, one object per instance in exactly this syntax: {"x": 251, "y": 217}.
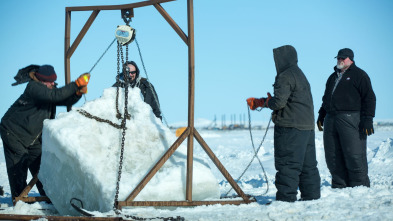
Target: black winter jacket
{"x": 292, "y": 103}
{"x": 149, "y": 95}
{"x": 353, "y": 93}
{"x": 26, "y": 116}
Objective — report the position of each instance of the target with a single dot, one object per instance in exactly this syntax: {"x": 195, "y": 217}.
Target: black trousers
{"x": 345, "y": 150}
{"x": 296, "y": 164}
{"x": 19, "y": 159}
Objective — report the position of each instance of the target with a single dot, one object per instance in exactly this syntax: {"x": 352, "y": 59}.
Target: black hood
{"x": 134, "y": 64}
{"x": 121, "y": 75}
{"x": 284, "y": 57}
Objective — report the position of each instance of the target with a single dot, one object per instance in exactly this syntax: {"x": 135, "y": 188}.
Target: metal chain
{"x": 150, "y": 86}
{"x": 126, "y": 52}
{"x": 120, "y": 55}
{"x": 88, "y": 115}
{"x": 102, "y": 55}
{"x": 126, "y": 114}
{"x": 123, "y": 123}
{"x": 118, "y": 115}
{"x": 99, "y": 59}
{"x": 255, "y": 151}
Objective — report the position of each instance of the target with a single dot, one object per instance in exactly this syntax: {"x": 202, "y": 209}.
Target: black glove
{"x": 23, "y": 74}
{"x": 366, "y": 125}
{"x": 321, "y": 118}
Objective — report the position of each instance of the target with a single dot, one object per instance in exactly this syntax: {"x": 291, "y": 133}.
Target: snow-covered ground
{"x": 234, "y": 150}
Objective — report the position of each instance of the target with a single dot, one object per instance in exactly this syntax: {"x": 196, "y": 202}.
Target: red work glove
{"x": 254, "y": 103}
{"x": 83, "y": 80}
{"x": 82, "y": 90}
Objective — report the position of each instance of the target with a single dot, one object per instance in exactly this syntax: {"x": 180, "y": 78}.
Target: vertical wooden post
{"x": 66, "y": 48}
{"x": 191, "y": 90}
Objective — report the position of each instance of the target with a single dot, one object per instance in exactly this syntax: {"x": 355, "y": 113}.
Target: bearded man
{"x": 346, "y": 119}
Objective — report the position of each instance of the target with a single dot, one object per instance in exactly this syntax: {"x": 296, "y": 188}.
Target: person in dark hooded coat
{"x": 294, "y": 135}
{"x": 147, "y": 89}
{"x": 21, "y": 126}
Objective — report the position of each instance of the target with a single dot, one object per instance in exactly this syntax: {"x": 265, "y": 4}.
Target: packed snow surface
{"x": 232, "y": 148}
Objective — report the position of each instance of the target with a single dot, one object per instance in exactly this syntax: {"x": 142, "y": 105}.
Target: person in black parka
{"x": 147, "y": 89}
{"x": 21, "y": 126}
{"x": 294, "y": 135}
{"x": 346, "y": 119}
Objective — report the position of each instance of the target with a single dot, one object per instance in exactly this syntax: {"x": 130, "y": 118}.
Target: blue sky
{"x": 233, "y": 48}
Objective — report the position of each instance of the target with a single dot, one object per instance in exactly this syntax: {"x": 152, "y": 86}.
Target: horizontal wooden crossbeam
{"x": 182, "y": 203}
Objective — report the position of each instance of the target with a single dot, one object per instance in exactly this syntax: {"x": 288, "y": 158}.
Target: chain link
{"x": 88, "y": 115}
{"x": 99, "y": 59}
{"x": 125, "y": 77}
{"x": 126, "y": 52}
{"x": 124, "y": 119}
{"x": 150, "y": 86}
{"x": 255, "y": 151}
{"x": 118, "y": 115}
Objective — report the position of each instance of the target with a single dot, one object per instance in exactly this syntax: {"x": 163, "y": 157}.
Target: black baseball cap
{"x": 345, "y": 53}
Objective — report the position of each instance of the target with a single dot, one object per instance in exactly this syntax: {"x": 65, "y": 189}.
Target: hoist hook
{"x": 127, "y": 14}
{"x": 125, "y": 34}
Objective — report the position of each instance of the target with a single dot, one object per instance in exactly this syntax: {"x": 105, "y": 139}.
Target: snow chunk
{"x": 384, "y": 152}
{"x": 80, "y": 157}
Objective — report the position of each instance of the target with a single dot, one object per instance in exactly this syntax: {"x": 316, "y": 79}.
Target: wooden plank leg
{"x": 24, "y": 195}
{"x": 221, "y": 167}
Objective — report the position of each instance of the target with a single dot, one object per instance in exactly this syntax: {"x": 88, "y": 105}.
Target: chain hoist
{"x": 124, "y": 35}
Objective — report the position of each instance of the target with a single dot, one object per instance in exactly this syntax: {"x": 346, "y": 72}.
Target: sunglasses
{"x": 131, "y": 72}
{"x": 341, "y": 58}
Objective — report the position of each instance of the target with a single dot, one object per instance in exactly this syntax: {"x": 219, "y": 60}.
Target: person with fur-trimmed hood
{"x": 294, "y": 135}
{"x": 346, "y": 119}
{"x": 21, "y": 126}
{"x": 131, "y": 70}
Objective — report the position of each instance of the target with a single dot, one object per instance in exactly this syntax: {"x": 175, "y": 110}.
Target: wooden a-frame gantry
{"x": 190, "y": 132}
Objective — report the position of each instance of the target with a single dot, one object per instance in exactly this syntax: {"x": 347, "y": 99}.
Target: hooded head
{"x": 121, "y": 76}
{"x": 46, "y": 73}
{"x": 133, "y": 64}
{"x": 284, "y": 57}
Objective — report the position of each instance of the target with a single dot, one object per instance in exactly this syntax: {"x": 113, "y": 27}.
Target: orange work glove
{"x": 82, "y": 90}
{"x": 254, "y": 103}
{"x": 83, "y": 80}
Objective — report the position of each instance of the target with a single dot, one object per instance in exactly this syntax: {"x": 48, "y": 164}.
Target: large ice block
{"x": 80, "y": 157}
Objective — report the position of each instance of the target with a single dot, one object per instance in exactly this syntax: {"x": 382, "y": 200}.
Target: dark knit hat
{"x": 46, "y": 73}
{"x": 345, "y": 53}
